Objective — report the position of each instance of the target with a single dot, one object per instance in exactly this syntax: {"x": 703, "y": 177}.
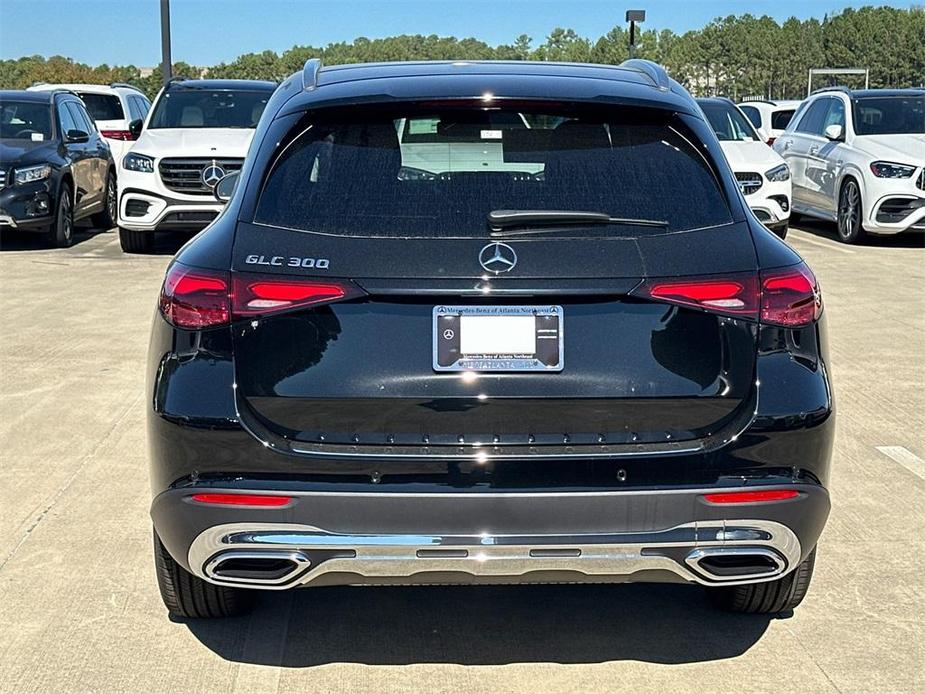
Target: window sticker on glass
{"x": 492, "y": 134}
{"x": 38, "y": 137}
{"x": 422, "y": 126}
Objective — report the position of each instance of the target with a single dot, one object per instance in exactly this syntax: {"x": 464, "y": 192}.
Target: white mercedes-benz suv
{"x": 196, "y": 132}
{"x": 763, "y": 177}
{"x": 858, "y": 159}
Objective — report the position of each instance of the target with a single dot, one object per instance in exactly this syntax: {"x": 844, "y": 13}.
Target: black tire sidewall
{"x": 58, "y": 233}
{"x": 842, "y": 197}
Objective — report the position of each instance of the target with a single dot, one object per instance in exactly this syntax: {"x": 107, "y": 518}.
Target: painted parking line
{"x": 906, "y": 458}
{"x": 803, "y": 237}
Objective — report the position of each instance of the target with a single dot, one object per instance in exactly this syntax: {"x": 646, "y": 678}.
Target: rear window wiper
{"x": 537, "y": 221}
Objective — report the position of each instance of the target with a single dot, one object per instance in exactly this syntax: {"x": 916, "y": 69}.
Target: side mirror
{"x": 77, "y": 136}
{"x": 135, "y": 128}
{"x": 224, "y": 189}
{"x": 834, "y": 132}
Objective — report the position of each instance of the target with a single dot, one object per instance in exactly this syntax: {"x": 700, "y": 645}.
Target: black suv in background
{"x": 491, "y": 322}
{"x": 55, "y": 167}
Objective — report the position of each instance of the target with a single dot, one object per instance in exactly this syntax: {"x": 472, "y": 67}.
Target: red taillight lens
{"x": 242, "y": 500}
{"x": 790, "y": 297}
{"x": 193, "y": 298}
{"x": 771, "y": 141}
{"x": 259, "y": 294}
{"x": 125, "y": 135}
{"x": 735, "y": 295}
{"x": 751, "y": 497}
{"x": 787, "y": 297}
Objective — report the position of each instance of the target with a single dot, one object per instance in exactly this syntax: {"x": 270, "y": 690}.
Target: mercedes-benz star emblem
{"x": 498, "y": 257}
{"x": 212, "y": 174}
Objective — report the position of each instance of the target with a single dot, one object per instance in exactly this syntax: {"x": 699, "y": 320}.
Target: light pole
{"x": 633, "y": 16}
{"x": 166, "y": 67}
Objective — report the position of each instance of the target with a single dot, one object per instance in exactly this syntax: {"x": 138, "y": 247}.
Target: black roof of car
{"x": 861, "y": 93}
{"x": 23, "y": 95}
{"x": 257, "y": 85}
{"x": 635, "y": 82}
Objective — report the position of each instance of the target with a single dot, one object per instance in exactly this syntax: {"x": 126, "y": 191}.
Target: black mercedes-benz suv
{"x": 496, "y": 322}
{"x": 55, "y": 167}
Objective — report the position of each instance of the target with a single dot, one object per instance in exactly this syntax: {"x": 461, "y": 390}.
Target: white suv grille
{"x": 749, "y": 182}
{"x": 184, "y": 175}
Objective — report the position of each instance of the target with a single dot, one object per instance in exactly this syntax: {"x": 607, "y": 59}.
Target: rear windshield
{"x": 439, "y": 173}
{"x": 889, "y": 115}
{"x": 25, "y": 120}
{"x": 209, "y": 108}
{"x": 781, "y": 119}
{"x": 102, "y": 106}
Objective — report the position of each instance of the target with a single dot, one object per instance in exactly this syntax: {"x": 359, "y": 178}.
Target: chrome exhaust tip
{"x": 723, "y": 564}
{"x": 269, "y": 568}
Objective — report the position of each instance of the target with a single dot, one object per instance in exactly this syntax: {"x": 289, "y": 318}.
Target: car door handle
{"x": 814, "y": 149}
{"x": 787, "y": 144}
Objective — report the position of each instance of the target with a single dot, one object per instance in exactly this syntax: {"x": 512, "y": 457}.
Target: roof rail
{"x": 845, "y": 90}
{"x": 310, "y": 73}
{"x": 125, "y": 85}
{"x": 38, "y": 84}
{"x": 653, "y": 71}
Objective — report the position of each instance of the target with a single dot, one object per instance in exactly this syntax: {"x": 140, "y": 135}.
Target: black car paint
{"x": 204, "y": 433}
{"x": 81, "y": 165}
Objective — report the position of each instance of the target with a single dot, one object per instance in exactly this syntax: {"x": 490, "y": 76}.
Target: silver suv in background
{"x": 858, "y": 158}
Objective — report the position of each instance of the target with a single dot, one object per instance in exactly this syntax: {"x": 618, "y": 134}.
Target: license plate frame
{"x": 549, "y": 335}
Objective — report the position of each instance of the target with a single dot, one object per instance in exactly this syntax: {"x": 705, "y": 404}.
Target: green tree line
{"x": 736, "y": 56}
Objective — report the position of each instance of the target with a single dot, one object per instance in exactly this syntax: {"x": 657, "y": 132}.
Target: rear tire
{"x": 850, "y": 213}
{"x": 61, "y": 234}
{"x": 136, "y": 241}
{"x": 107, "y": 218}
{"x": 186, "y": 595}
{"x": 771, "y": 597}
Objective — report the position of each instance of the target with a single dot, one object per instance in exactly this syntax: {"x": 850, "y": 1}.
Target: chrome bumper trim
{"x": 402, "y": 556}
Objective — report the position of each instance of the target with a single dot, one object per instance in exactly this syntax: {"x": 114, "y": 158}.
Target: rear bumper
{"x": 328, "y": 538}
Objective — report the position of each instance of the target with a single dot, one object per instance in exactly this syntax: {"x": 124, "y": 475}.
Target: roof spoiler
{"x": 653, "y": 71}
{"x": 310, "y": 74}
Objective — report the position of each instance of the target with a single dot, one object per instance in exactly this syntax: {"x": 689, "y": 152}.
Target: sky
{"x": 206, "y": 32}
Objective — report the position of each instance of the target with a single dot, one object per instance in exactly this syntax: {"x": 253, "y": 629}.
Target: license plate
{"x": 498, "y": 338}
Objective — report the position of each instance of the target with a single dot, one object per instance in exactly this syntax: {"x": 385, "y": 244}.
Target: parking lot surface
{"x": 80, "y": 611}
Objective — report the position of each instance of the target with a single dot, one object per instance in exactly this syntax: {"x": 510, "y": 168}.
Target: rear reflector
{"x": 787, "y": 297}
{"x": 241, "y": 499}
{"x": 751, "y": 497}
{"x": 193, "y": 298}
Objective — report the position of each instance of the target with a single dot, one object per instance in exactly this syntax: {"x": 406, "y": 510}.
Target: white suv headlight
{"x": 138, "y": 162}
{"x": 887, "y": 169}
{"x": 28, "y": 174}
{"x": 778, "y": 173}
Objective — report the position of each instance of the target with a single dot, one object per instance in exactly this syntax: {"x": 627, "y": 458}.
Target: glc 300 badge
{"x": 282, "y": 261}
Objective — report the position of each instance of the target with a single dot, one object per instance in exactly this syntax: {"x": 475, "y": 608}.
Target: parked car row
{"x": 855, "y": 158}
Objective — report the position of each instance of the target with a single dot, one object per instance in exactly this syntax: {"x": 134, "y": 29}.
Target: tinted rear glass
{"x": 438, "y": 173}
{"x": 781, "y": 119}
{"x": 209, "y": 108}
{"x": 102, "y": 106}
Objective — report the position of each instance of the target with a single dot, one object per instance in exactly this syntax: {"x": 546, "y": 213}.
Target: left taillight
{"x": 787, "y": 297}
{"x": 194, "y": 298}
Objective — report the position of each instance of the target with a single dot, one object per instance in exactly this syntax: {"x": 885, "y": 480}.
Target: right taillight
{"x": 790, "y": 297}
{"x": 194, "y": 298}
{"x": 787, "y": 297}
